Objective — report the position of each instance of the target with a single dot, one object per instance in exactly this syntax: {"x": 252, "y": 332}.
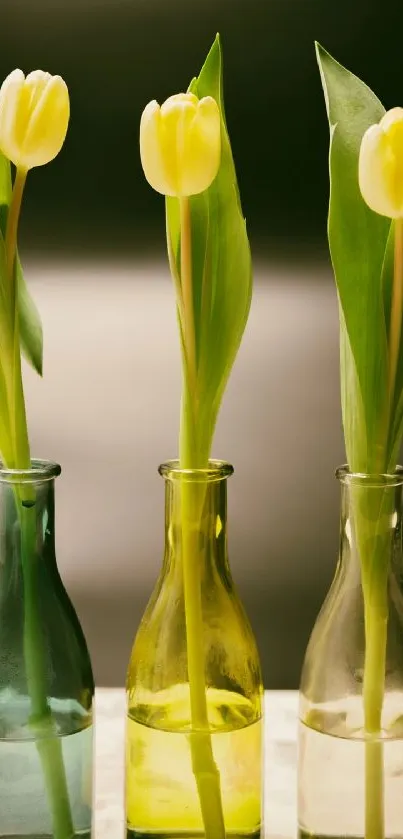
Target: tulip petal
{"x": 392, "y": 126}
{"x": 34, "y": 115}
{"x": 374, "y": 173}
{"x": 178, "y": 98}
{"x": 36, "y": 82}
{"x": 47, "y": 127}
{"x": 176, "y": 124}
{"x": 395, "y": 115}
{"x": 203, "y": 148}
{"x": 180, "y": 144}
{"x": 10, "y": 93}
{"x": 22, "y": 116}
{"x": 151, "y": 149}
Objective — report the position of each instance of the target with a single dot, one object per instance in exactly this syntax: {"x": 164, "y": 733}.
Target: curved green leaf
{"x": 357, "y": 240}
{"x": 222, "y": 267}
{"x": 30, "y": 324}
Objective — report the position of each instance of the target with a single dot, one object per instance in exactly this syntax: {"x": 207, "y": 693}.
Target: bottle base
{"x": 84, "y": 834}
{"x": 305, "y": 834}
{"x": 186, "y": 834}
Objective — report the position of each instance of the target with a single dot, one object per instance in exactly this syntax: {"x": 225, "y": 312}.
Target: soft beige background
{"x": 107, "y": 410}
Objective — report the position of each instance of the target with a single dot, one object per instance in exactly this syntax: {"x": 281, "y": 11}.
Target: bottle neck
{"x": 370, "y": 529}
{"x": 23, "y": 513}
{"x": 199, "y": 508}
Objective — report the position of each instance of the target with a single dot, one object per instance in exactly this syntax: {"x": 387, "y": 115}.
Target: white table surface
{"x": 280, "y": 763}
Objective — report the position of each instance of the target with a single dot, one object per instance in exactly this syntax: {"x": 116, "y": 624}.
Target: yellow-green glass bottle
{"x": 161, "y": 789}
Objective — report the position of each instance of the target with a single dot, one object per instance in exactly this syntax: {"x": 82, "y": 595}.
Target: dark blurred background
{"x": 93, "y": 246}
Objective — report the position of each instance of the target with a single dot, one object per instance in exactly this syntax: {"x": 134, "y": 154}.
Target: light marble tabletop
{"x": 280, "y": 763}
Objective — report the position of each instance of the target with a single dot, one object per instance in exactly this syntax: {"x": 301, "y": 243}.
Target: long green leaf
{"x": 30, "y": 325}
{"x": 357, "y": 240}
{"x": 221, "y": 263}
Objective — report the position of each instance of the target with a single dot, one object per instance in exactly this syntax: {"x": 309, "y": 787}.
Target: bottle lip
{"x": 216, "y": 470}
{"x": 393, "y": 479}
{"x": 40, "y": 471}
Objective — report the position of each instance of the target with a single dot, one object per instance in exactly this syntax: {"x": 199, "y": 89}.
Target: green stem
{"x": 42, "y": 723}
{"x": 12, "y": 228}
{"x": 374, "y": 540}
{"x": 187, "y": 294}
{"x": 15, "y": 393}
{"x": 33, "y": 640}
{"x": 174, "y": 271}
{"x": 203, "y": 764}
{"x": 375, "y": 576}
{"x": 376, "y": 633}
{"x": 396, "y": 309}
{"x": 376, "y": 624}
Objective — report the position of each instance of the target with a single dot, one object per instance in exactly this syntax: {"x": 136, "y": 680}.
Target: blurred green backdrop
{"x": 116, "y": 55}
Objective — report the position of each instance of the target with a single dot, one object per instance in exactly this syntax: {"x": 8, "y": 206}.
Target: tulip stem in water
{"x": 204, "y": 767}
{"x": 203, "y": 764}
{"x": 42, "y": 723}
{"x": 373, "y": 511}
{"x": 376, "y": 623}
{"x": 375, "y": 597}
{"x": 375, "y": 577}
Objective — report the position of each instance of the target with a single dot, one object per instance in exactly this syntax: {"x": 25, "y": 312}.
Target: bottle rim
{"x": 40, "y": 471}
{"x": 375, "y": 480}
{"x": 216, "y": 470}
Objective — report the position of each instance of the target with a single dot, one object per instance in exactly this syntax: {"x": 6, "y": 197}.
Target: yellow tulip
{"x": 180, "y": 144}
{"x": 34, "y": 115}
{"x": 380, "y": 169}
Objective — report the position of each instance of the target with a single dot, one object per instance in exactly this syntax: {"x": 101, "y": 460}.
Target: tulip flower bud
{"x": 34, "y": 115}
{"x": 380, "y": 170}
{"x": 180, "y": 144}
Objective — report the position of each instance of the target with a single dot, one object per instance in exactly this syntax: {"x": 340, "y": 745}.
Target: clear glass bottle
{"x": 162, "y": 796}
{"x": 350, "y": 764}
{"x": 46, "y": 681}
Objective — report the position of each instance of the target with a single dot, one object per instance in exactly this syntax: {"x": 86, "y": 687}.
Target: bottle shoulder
{"x": 334, "y": 661}
{"x": 159, "y": 655}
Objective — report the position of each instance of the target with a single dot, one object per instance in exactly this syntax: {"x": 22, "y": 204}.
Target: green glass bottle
{"x": 350, "y": 759}
{"x": 161, "y": 791}
{"x": 46, "y": 681}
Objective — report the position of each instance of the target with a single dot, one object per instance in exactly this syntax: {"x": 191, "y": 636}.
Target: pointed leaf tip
{"x": 321, "y": 54}
{"x": 221, "y": 261}
{"x": 357, "y": 241}
{"x": 320, "y": 50}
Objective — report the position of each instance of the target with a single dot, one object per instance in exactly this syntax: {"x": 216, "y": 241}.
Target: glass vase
{"x": 194, "y": 687}
{"x": 350, "y": 765}
{"x": 46, "y": 682}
